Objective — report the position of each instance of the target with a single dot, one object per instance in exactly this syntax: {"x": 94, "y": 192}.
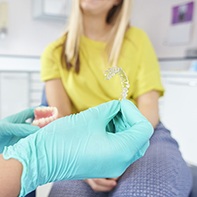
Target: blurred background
{"x": 28, "y": 26}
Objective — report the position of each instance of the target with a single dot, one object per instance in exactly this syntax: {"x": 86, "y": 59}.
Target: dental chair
{"x": 32, "y": 194}
{"x": 192, "y": 167}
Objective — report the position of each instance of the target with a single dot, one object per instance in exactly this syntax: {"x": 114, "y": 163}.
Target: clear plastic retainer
{"x": 112, "y": 71}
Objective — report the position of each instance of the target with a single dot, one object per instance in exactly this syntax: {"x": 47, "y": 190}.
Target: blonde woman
{"x": 100, "y": 37}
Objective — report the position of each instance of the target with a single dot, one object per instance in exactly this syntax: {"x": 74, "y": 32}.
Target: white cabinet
{"x": 179, "y": 112}
{"x": 13, "y": 93}
{"x": 20, "y": 85}
{"x": 18, "y": 91}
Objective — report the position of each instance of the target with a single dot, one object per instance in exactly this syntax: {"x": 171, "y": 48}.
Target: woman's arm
{"x": 149, "y": 107}
{"x": 57, "y": 97}
{"x": 10, "y": 177}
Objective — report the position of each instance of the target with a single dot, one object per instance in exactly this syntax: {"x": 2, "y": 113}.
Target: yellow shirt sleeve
{"x": 148, "y": 75}
{"x": 51, "y": 61}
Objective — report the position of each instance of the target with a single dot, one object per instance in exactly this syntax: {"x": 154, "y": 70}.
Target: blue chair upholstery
{"x": 32, "y": 194}
{"x": 44, "y": 99}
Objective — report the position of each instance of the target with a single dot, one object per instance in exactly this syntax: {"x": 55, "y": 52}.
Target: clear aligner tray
{"x": 112, "y": 71}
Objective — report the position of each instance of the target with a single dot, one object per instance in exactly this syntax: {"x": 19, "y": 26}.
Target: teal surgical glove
{"x": 14, "y": 127}
{"x": 78, "y": 146}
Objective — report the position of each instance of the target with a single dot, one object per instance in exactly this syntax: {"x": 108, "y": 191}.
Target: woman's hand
{"x": 102, "y": 185}
{"x": 15, "y": 127}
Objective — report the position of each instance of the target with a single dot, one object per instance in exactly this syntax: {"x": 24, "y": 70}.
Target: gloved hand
{"x": 78, "y": 146}
{"x": 14, "y": 127}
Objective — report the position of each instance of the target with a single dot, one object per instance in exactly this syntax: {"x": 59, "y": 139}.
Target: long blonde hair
{"x": 118, "y": 16}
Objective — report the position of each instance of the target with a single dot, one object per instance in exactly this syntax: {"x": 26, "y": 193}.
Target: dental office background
{"x": 28, "y": 26}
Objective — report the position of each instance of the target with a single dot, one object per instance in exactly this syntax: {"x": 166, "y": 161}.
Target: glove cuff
{"x": 29, "y": 175}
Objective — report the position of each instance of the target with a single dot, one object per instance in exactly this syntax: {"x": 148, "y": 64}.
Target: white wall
{"x": 27, "y": 35}
{"x": 154, "y": 16}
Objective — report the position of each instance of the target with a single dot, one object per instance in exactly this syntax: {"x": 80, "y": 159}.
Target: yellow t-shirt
{"x": 90, "y": 87}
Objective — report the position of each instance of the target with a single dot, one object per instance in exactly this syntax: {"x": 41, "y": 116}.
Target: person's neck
{"x": 96, "y": 28}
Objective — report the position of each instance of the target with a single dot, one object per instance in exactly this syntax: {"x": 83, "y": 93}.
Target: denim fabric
{"x": 160, "y": 172}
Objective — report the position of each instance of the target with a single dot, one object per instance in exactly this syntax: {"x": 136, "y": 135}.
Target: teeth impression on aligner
{"x": 112, "y": 71}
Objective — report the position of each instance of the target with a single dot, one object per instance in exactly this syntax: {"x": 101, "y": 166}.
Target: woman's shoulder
{"x": 135, "y": 34}
{"x": 55, "y": 48}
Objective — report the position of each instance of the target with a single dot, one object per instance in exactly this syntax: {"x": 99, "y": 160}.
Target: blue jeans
{"x": 160, "y": 172}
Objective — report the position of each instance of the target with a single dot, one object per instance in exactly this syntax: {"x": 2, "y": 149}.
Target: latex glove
{"x": 14, "y": 127}
{"x": 78, "y": 146}
{"x": 117, "y": 124}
